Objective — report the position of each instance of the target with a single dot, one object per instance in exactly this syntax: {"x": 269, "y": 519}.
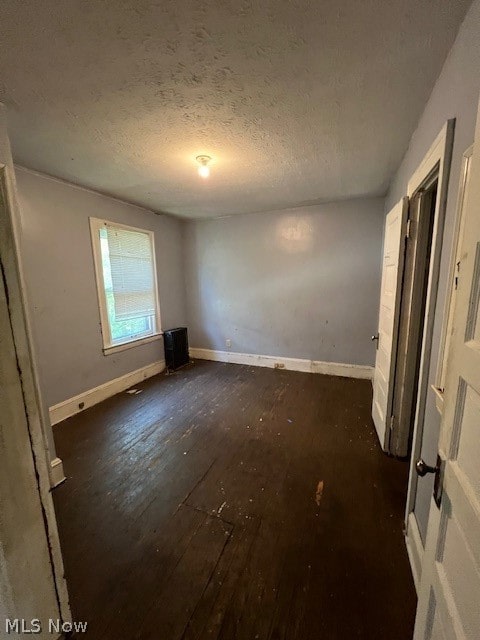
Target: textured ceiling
{"x": 297, "y": 101}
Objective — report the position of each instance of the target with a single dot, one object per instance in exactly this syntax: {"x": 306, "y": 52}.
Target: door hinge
{"x": 456, "y": 277}
{"x": 392, "y": 420}
{"x": 409, "y": 224}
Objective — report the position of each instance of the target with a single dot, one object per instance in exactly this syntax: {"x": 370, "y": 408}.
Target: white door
{"x": 449, "y": 596}
{"x": 392, "y": 273}
{"x": 32, "y": 584}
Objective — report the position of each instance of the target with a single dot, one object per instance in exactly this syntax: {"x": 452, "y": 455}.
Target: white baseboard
{"x": 415, "y": 549}
{"x": 57, "y": 475}
{"x": 292, "y": 364}
{"x": 70, "y": 407}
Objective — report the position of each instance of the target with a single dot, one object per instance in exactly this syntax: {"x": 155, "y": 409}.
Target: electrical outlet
{"x": 228, "y": 343}
{"x": 279, "y": 365}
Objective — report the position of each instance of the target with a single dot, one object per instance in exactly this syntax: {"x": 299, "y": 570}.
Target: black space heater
{"x": 176, "y": 348}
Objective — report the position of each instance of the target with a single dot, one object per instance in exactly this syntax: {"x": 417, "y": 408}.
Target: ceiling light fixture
{"x": 203, "y": 169}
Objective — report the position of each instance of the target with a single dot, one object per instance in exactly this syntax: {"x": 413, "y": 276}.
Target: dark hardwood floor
{"x": 234, "y": 503}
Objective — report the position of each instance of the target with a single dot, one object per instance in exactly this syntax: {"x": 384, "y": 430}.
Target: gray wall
{"x": 62, "y": 293}
{"x": 302, "y": 283}
{"x": 455, "y": 95}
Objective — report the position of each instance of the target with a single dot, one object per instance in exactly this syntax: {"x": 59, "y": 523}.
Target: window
{"x": 126, "y": 283}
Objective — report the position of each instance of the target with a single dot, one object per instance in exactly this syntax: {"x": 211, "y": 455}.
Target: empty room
{"x": 240, "y": 320}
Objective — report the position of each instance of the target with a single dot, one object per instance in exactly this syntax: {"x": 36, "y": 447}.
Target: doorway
{"x": 427, "y": 192}
{"x": 414, "y": 291}
{"x": 410, "y": 274}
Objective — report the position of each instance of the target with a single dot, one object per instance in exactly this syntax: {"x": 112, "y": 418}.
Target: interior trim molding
{"x": 57, "y": 474}
{"x": 292, "y": 364}
{"x": 79, "y": 187}
{"x": 70, "y": 407}
{"x": 415, "y": 549}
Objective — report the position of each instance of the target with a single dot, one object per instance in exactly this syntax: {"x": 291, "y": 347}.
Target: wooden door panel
{"x": 392, "y": 272}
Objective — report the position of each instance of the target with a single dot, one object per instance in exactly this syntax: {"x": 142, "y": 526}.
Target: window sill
{"x": 122, "y": 346}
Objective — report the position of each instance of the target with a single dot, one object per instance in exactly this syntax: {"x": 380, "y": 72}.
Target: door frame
{"x": 12, "y": 274}
{"x": 438, "y": 157}
{"x": 438, "y": 386}
{"x": 421, "y": 216}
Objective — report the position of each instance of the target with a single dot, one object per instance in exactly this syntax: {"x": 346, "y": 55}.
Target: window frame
{"x": 110, "y": 347}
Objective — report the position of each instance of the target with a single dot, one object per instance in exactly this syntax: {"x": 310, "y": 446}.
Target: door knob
{"x": 375, "y": 337}
{"x": 422, "y": 468}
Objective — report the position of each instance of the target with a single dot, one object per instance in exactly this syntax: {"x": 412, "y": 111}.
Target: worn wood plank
{"x": 228, "y": 502}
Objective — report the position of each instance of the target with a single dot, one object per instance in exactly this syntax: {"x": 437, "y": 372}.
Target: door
{"x": 388, "y": 320}
{"x": 449, "y": 596}
{"x": 27, "y": 587}
{"x": 32, "y": 585}
{"x": 416, "y": 282}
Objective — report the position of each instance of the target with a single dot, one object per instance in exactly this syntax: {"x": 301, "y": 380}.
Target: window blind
{"x": 131, "y": 264}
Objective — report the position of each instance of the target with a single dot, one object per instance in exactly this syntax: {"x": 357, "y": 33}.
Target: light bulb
{"x": 203, "y": 171}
